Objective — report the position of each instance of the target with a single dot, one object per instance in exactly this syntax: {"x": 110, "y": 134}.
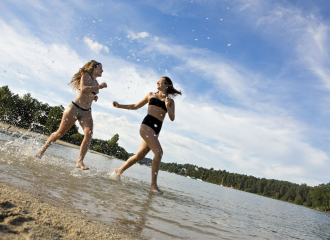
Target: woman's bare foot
{"x": 39, "y": 155}
{"x": 81, "y": 165}
{"x": 115, "y": 175}
{"x": 155, "y": 189}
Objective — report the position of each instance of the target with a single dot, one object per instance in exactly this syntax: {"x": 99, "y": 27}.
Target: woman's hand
{"x": 115, "y": 104}
{"x": 95, "y": 98}
{"x": 103, "y": 85}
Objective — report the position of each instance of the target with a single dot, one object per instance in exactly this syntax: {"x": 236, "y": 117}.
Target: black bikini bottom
{"x": 153, "y": 122}
{"x": 80, "y": 112}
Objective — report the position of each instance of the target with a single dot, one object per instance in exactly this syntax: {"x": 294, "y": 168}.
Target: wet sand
{"x": 28, "y": 215}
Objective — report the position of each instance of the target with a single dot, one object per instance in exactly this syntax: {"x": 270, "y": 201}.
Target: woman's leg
{"x": 151, "y": 139}
{"x": 141, "y": 153}
{"x": 68, "y": 119}
{"x": 86, "y": 123}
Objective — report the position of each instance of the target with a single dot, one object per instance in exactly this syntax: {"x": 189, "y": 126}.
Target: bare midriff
{"x": 84, "y": 100}
{"x": 156, "y": 112}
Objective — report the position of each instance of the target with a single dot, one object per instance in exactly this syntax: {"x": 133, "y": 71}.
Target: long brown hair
{"x": 87, "y": 68}
{"x": 170, "y": 89}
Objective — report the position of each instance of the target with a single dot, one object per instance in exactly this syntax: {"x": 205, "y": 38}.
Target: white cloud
{"x": 227, "y": 77}
{"x": 313, "y": 50}
{"x": 133, "y": 35}
{"x": 303, "y": 36}
{"x": 31, "y": 64}
{"x": 95, "y": 46}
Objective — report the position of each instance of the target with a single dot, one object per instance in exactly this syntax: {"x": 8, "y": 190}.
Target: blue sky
{"x": 255, "y": 75}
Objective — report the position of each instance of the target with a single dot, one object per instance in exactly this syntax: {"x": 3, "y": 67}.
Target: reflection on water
{"x": 189, "y": 209}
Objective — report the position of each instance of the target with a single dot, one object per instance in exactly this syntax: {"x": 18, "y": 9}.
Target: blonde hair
{"x": 87, "y": 68}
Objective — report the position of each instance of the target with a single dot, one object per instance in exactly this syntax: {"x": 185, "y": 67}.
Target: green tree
{"x": 53, "y": 123}
{"x": 26, "y": 109}
{"x": 40, "y": 117}
{"x": 97, "y": 148}
{"x": 54, "y": 119}
{"x": 121, "y": 153}
{"x": 8, "y": 106}
{"x": 320, "y": 196}
{"x": 77, "y": 138}
{"x": 299, "y": 200}
{"x": 111, "y": 146}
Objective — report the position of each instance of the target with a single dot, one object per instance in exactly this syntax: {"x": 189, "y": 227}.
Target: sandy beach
{"x": 27, "y": 215}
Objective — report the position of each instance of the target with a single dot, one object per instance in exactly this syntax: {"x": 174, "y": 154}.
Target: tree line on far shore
{"x": 29, "y": 113}
{"x": 317, "y": 197}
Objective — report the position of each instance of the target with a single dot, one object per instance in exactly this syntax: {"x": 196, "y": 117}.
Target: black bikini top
{"x": 158, "y": 103}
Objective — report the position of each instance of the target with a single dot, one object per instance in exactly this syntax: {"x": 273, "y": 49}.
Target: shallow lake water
{"x": 189, "y": 209}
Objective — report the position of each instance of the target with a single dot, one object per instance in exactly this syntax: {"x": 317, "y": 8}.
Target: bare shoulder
{"x": 86, "y": 75}
{"x": 150, "y": 95}
{"x": 86, "y": 78}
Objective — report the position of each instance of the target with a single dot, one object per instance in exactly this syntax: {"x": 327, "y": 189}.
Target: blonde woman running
{"x": 159, "y": 105}
{"x": 80, "y": 108}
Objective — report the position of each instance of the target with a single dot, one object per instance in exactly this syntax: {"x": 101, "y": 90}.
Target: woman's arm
{"x": 140, "y": 104}
{"x": 86, "y": 80}
{"x": 170, "y": 108}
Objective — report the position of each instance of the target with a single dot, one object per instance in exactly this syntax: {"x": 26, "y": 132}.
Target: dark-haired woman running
{"x": 159, "y": 105}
